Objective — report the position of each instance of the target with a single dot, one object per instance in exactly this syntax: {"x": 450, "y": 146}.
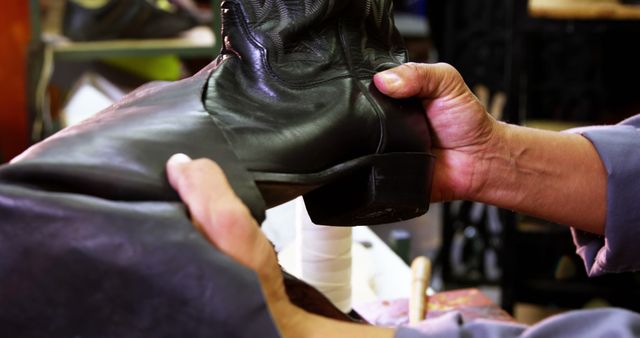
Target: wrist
{"x": 491, "y": 163}
{"x": 290, "y": 320}
{"x": 555, "y": 176}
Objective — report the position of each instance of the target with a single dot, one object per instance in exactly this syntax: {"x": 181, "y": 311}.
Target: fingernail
{"x": 390, "y": 80}
{"x": 178, "y": 159}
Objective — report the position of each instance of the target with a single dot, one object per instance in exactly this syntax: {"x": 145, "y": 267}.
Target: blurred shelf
{"x": 199, "y": 41}
{"x": 48, "y": 45}
{"x": 575, "y": 294}
{"x": 412, "y": 25}
{"x": 583, "y": 10}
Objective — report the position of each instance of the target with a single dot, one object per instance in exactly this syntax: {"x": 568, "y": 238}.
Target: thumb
{"x": 425, "y": 81}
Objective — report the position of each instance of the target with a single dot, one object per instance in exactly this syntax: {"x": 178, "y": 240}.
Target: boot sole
{"x": 374, "y": 189}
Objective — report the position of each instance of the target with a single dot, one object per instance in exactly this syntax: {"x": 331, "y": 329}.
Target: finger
{"x": 224, "y": 219}
{"x": 426, "y": 81}
{"x": 214, "y": 206}
{"x": 198, "y": 182}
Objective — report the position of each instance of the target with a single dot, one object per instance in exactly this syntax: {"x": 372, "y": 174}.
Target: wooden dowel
{"x": 420, "y": 276}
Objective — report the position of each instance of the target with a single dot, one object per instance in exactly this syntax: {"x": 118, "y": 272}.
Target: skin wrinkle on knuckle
{"x": 445, "y": 82}
{"x": 419, "y": 80}
{"x": 408, "y": 73}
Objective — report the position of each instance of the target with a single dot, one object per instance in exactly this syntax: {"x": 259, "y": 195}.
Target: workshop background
{"x": 551, "y": 64}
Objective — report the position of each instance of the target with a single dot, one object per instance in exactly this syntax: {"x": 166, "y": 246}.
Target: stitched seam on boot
{"x": 264, "y": 59}
{"x": 365, "y": 91}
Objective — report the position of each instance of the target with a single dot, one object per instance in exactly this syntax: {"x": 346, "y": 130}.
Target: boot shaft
{"x": 294, "y": 79}
{"x": 308, "y": 41}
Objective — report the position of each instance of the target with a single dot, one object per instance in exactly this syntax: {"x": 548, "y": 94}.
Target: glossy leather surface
{"x": 95, "y": 243}
{"x": 120, "y": 153}
{"x": 307, "y": 101}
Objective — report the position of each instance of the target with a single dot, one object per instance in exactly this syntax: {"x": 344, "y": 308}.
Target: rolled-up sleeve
{"x": 618, "y": 250}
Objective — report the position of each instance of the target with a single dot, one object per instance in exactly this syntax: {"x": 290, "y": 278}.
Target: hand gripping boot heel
{"x": 391, "y": 188}
{"x": 292, "y": 90}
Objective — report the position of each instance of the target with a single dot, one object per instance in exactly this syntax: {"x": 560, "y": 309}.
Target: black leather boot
{"x": 289, "y": 105}
{"x": 124, "y": 19}
{"x": 292, "y": 90}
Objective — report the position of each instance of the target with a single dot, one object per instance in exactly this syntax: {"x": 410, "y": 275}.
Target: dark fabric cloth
{"x": 95, "y": 243}
{"x": 75, "y": 266}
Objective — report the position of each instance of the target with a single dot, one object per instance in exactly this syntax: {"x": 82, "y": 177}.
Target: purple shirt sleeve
{"x": 598, "y": 323}
{"x": 618, "y": 250}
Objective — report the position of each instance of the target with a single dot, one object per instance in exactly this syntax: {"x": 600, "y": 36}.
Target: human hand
{"x": 227, "y": 223}
{"x": 462, "y": 130}
{"x": 220, "y": 215}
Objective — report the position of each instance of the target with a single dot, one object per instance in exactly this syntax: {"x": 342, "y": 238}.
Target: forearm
{"x": 294, "y": 322}
{"x": 320, "y": 327}
{"x": 555, "y": 176}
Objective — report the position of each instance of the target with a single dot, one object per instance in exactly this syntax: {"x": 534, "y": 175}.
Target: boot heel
{"x": 393, "y": 187}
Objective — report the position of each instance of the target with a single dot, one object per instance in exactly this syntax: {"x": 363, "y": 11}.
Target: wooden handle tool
{"x": 420, "y": 276}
